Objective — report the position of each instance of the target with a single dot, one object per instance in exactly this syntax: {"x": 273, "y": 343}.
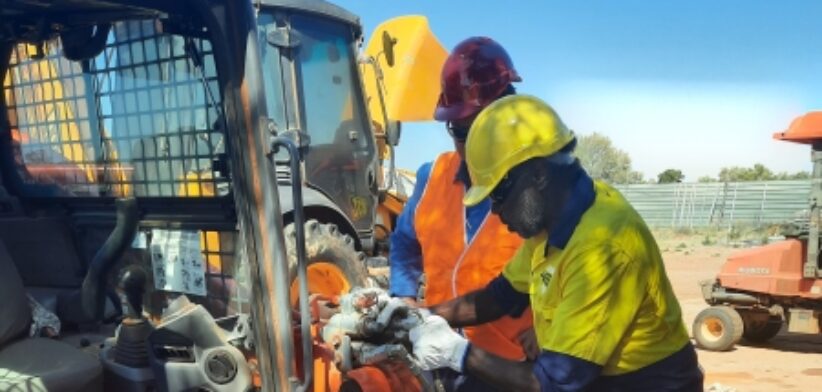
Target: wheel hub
{"x": 712, "y": 329}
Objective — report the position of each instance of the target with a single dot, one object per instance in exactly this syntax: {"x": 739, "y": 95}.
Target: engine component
{"x": 371, "y": 330}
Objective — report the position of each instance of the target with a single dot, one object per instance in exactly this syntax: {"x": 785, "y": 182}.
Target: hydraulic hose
{"x": 92, "y": 292}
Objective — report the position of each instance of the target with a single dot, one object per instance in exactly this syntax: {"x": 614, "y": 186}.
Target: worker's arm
{"x": 507, "y": 294}
{"x": 497, "y": 299}
{"x": 436, "y": 346}
{"x": 550, "y": 372}
{"x": 405, "y": 256}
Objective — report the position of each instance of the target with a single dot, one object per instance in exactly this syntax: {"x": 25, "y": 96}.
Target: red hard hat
{"x": 476, "y": 73}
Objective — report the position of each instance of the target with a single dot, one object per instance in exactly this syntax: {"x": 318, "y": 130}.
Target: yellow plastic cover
{"x": 412, "y": 85}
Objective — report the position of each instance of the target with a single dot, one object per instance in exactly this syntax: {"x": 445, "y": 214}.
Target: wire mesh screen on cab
{"x": 141, "y": 118}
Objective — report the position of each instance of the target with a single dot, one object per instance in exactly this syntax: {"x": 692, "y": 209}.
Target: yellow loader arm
{"x": 401, "y": 76}
{"x": 412, "y": 83}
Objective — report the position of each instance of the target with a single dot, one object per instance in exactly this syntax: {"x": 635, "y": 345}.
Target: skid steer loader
{"x": 154, "y": 160}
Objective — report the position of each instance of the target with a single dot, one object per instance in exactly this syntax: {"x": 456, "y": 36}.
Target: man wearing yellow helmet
{"x": 604, "y": 311}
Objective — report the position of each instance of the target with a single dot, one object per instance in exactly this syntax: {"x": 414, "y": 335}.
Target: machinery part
{"x": 346, "y": 362}
{"x": 220, "y": 366}
{"x": 370, "y": 315}
{"x": 88, "y": 304}
{"x": 399, "y": 369}
{"x": 93, "y": 292}
{"x": 188, "y": 350}
{"x": 334, "y": 266}
{"x": 718, "y": 328}
{"x": 806, "y": 129}
{"x": 805, "y": 321}
{"x": 716, "y": 294}
{"x": 388, "y": 376}
{"x": 301, "y": 266}
{"x": 370, "y": 334}
{"x": 734, "y": 298}
{"x": 320, "y": 206}
{"x": 413, "y": 87}
{"x": 366, "y": 379}
{"x": 759, "y": 327}
{"x": 133, "y": 282}
{"x": 360, "y": 306}
{"x": 130, "y": 349}
{"x": 83, "y": 43}
{"x": 295, "y": 157}
{"x": 241, "y": 335}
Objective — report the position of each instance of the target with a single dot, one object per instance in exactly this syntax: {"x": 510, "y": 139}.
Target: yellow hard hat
{"x": 508, "y": 132}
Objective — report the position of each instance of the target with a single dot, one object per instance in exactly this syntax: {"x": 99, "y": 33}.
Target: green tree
{"x": 706, "y": 179}
{"x": 604, "y": 161}
{"x": 740, "y": 174}
{"x": 670, "y": 175}
{"x": 802, "y": 175}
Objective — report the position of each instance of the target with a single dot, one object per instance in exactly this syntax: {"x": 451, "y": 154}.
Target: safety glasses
{"x": 504, "y": 188}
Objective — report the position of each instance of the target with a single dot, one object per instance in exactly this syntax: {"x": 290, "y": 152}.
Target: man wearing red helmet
{"x": 460, "y": 249}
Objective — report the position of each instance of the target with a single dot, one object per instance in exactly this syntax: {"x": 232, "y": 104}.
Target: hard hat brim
{"x": 476, "y": 194}
{"x": 454, "y": 112}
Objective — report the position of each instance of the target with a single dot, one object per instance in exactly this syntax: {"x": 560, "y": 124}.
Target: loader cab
{"x": 314, "y": 93}
{"x": 131, "y": 159}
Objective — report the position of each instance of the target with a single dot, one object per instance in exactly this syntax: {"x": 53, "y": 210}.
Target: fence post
{"x": 761, "y": 217}
{"x": 733, "y": 207}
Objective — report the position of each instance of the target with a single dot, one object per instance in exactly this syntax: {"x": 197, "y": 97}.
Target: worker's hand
{"x": 528, "y": 340}
{"x": 436, "y": 345}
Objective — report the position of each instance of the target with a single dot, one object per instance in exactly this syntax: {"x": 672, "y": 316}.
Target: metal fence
{"x": 719, "y": 204}
{"x": 696, "y": 205}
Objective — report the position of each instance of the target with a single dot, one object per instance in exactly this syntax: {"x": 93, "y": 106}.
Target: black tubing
{"x": 93, "y": 292}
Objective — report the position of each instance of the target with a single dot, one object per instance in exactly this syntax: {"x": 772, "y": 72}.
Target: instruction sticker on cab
{"x": 177, "y": 261}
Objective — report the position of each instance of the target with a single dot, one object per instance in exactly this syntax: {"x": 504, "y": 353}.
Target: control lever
{"x": 133, "y": 285}
{"x": 130, "y": 349}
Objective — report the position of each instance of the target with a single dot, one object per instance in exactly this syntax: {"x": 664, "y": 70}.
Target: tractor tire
{"x": 334, "y": 265}
{"x": 759, "y": 330}
{"x": 718, "y": 328}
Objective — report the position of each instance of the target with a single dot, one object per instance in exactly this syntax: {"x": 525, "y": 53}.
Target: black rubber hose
{"x": 93, "y": 291}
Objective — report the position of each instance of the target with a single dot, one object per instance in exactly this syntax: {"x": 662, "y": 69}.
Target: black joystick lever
{"x": 130, "y": 349}
{"x": 133, "y": 286}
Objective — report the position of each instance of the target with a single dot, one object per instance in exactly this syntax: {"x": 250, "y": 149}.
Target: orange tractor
{"x": 759, "y": 290}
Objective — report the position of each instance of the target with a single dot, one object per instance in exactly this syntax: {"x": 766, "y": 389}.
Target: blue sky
{"x": 695, "y": 85}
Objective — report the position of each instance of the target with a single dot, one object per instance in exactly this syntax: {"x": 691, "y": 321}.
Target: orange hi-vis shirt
{"x": 454, "y": 267}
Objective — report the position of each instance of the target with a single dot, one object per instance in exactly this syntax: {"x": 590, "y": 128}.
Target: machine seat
{"x": 48, "y": 365}
{"x": 36, "y": 364}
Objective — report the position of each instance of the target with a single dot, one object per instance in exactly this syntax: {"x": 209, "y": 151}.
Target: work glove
{"x": 437, "y": 346}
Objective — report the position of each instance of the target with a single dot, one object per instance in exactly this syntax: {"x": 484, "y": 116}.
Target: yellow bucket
{"x": 412, "y": 84}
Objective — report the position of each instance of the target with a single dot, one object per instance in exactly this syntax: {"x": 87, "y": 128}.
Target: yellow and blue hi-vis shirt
{"x": 601, "y": 300}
